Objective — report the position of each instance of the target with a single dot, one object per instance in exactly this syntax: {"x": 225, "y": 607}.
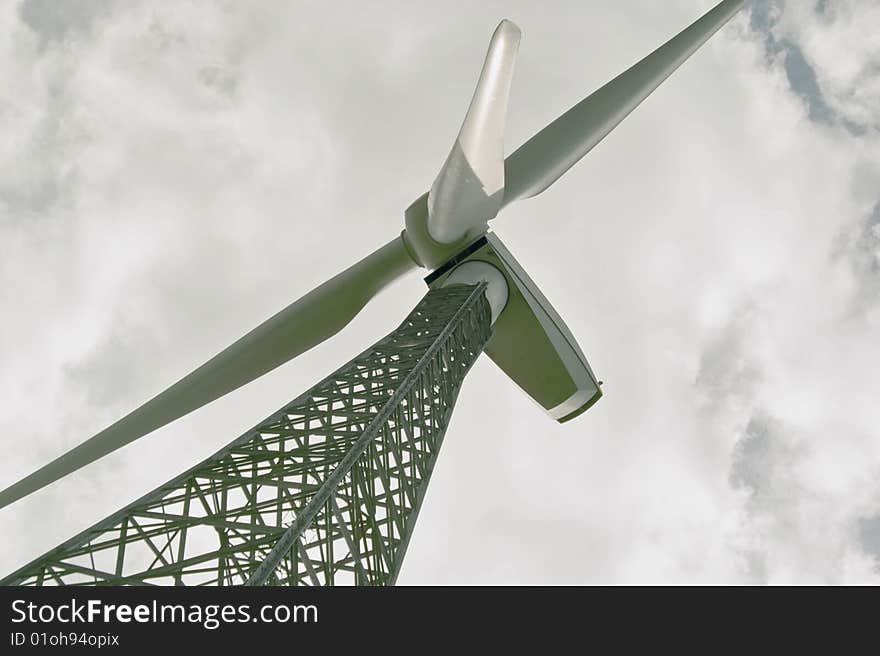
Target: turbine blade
{"x": 305, "y": 323}
{"x": 536, "y": 349}
{"x": 543, "y": 159}
{"x": 468, "y": 189}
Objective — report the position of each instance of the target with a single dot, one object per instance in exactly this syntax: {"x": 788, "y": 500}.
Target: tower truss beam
{"x": 325, "y": 491}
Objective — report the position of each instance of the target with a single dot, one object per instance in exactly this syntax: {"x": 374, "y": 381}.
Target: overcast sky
{"x": 172, "y": 173}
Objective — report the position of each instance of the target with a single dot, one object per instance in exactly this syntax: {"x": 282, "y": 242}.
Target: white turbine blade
{"x": 468, "y": 189}
{"x": 541, "y": 160}
{"x": 315, "y": 317}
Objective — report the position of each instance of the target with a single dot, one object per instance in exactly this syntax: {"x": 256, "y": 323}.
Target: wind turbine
{"x": 327, "y": 489}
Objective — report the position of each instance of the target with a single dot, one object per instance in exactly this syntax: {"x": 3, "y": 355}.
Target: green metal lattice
{"x": 324, "y": 492}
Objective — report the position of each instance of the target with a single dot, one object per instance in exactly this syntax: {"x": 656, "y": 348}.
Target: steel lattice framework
{"x": 324, "y": 492}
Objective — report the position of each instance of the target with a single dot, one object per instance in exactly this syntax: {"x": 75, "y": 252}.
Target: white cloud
{"x": 176, "y": 173}
{"x": 843, "y": 45}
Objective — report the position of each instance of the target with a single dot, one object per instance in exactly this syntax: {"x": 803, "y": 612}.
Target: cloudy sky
{"x": 171, "y": 174}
